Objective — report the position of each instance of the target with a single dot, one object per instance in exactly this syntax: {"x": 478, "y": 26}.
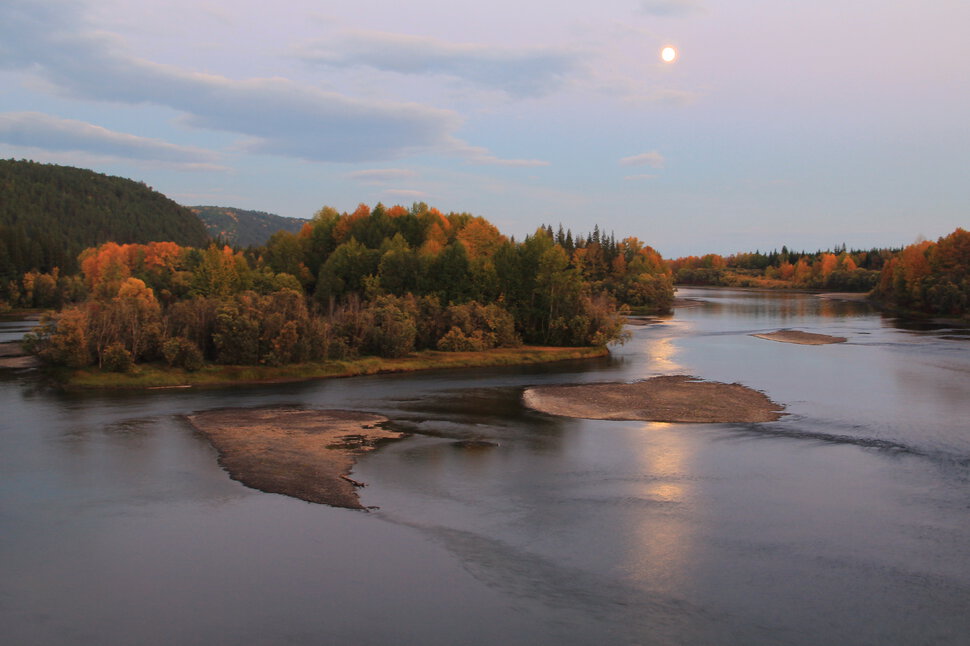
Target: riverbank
{"x": 161, "y": 376}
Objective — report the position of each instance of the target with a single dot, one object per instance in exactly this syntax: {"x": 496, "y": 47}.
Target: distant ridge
{"x": 242, "y": 228}
{"x": 49, "y": 214}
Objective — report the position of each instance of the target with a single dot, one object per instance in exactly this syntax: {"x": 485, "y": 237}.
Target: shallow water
{"x": 844, "y": 522}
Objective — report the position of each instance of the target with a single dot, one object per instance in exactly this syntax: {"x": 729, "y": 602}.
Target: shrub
{"x": 457, "y": 341}
{"x": 117, "y": 359}
{"x": 179, "y": 352}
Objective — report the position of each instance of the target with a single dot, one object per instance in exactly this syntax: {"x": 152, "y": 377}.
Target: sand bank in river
{"x": 307, "y": 454}
{"x": 802, "y": 338}
{"x": 676, "y": 398}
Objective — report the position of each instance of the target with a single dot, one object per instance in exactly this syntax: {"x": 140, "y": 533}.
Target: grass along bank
{"x": 161, "y": 376}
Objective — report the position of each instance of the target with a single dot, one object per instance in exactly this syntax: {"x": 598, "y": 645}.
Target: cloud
{"x": 520, "y": 72}
{"x": 653, "y": 159}
{"x": 478, "y": 155}
{"x": 671, "y": 7}
{"x": 380, "y": 175}
{"x": 276, "y": 115}
{"x": 46, "y": 132}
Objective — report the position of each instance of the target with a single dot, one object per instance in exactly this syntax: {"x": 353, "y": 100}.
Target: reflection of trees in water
{"x": 777, "y": 304}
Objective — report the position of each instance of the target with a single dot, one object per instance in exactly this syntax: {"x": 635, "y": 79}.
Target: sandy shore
{"x": 676, "y": 398}
{"x": 12, "y": 355}
{"x": 802, "y": 338}
{"x": 306, "y": 454}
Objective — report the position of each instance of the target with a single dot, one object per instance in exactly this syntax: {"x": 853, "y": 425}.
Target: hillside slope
{"x": 243, "y": 228}
{"x": 50, "y": 213}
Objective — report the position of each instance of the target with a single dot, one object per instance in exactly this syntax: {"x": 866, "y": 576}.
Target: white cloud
{"x": 478, "y": 155}
{"x": 276, "y": 115}
{"x": 671, "y": 7}
{"x": 45, "y": 132}
{"x": 517, "y": 71}
{"x": 653, "y": 159}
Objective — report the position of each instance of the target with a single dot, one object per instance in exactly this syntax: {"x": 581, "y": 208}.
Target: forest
{"x": 929, "y": 277}
{"x": 146, "y": 283}
{"x": 381, "y": 281}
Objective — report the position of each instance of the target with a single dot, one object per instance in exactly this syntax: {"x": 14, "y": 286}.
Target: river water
{"x": 845, "y": 522}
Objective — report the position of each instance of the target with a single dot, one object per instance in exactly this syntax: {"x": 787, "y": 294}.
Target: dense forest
{"x": 242, "y": 228}
{"x": 838, "y": 270}
{"x": 50, "y": 213}
{"x": 381, "y": 281}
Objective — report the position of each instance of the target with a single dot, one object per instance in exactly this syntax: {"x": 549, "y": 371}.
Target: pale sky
{"x": 782, "y": 122}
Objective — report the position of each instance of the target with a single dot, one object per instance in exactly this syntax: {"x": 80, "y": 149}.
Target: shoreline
{"x": 156, "y": 377}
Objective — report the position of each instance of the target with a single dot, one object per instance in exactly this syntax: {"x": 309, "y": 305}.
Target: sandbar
{"x": 673, "y": 398}
{"x": 306, "y": 454}
{"x": 801, "y": 338}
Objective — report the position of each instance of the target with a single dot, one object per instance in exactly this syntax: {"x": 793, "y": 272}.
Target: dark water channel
{"x": 846, "y": 522}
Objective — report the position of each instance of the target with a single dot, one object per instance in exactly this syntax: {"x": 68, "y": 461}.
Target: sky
{"x": 781, "y": 122}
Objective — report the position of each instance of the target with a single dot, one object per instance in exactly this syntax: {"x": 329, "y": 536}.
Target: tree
{"x": 139, "y": 317}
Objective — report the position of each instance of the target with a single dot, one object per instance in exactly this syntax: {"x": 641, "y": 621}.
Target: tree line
{"x": 382, "y": 280}
{"x": 837, "y": 270}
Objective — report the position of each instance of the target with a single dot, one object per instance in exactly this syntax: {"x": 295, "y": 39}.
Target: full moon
{"x": 668, "y": 54}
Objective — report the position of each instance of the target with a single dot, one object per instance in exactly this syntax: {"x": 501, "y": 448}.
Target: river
{"x": 845, "y": 522}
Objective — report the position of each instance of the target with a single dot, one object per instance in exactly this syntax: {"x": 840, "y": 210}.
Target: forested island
{"x": 381, "y": 282}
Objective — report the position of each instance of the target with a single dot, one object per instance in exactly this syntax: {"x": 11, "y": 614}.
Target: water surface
{"x": 844, "y": 522}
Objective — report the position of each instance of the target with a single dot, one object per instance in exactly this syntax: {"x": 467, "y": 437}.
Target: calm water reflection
{"x": 844, "y": 522}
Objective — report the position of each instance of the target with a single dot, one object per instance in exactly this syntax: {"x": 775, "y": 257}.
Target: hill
{"x": 243, "y": 228}
{"x": 50, "y": 213}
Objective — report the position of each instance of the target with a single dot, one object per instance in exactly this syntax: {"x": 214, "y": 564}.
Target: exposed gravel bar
{"x": 675, "y": 398}
{"x": 306, "y": 454}
{"x": 802, "y": 338}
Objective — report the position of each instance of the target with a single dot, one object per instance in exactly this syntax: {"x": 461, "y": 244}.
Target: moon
{"x": 668, "y": 54}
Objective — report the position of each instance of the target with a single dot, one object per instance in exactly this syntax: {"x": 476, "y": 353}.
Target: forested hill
{"x": 241, "y": 228}
{"x": 50, "y": 213}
